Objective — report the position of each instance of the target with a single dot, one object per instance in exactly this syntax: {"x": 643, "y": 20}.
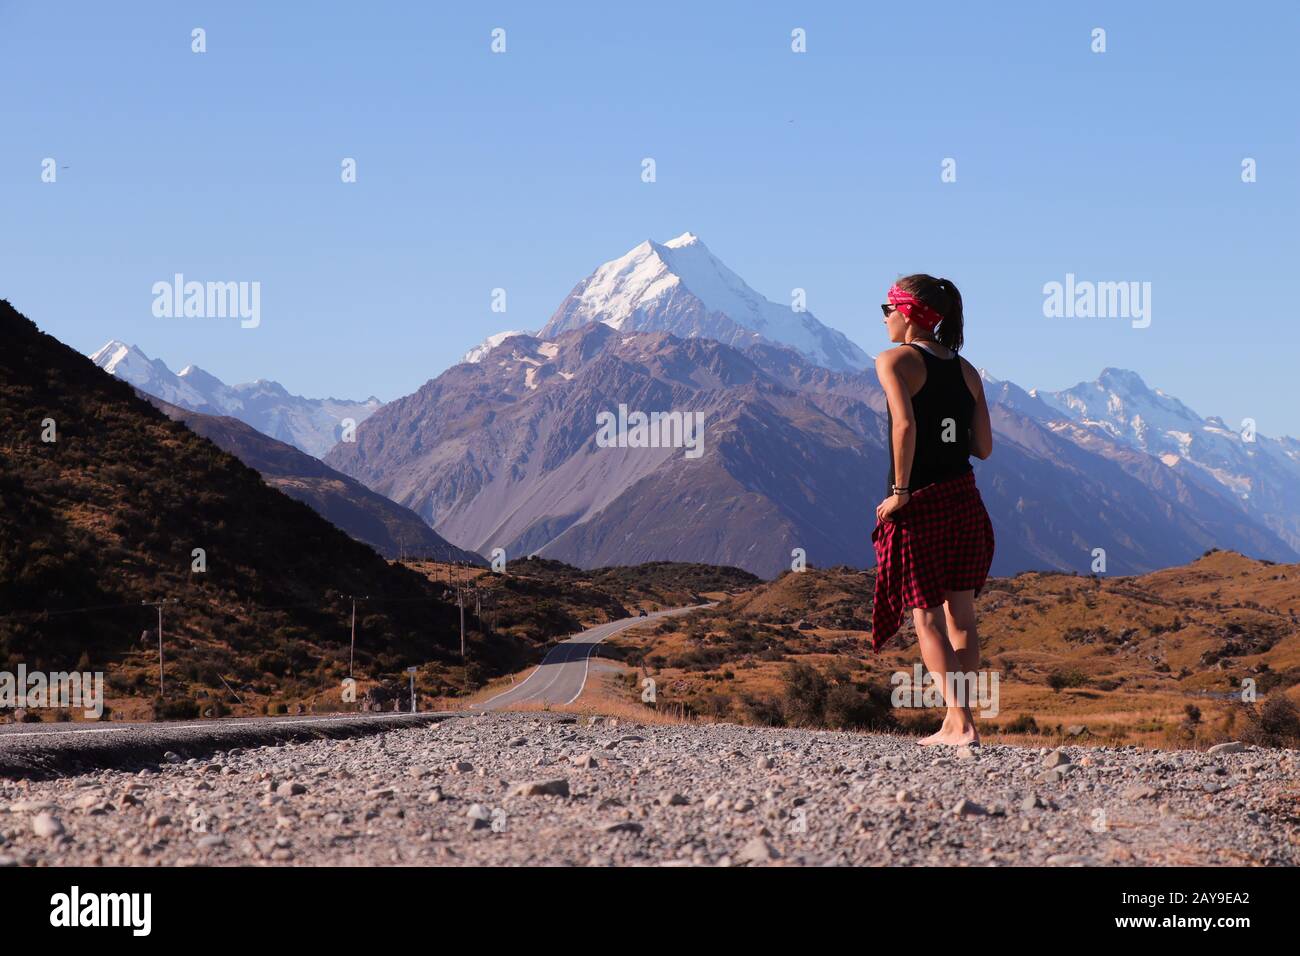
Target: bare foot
{"x": 963, "y": 738}
{"x": 952, "y": 736}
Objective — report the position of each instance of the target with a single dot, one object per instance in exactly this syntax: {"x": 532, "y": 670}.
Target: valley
{"x": 1158, "y": 660}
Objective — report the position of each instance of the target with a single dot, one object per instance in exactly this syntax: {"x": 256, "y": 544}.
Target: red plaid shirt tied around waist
{"x": 941, "y": 540}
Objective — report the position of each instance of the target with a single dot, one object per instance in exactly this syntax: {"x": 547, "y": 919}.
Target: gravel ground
{"x": 543, "y": 788}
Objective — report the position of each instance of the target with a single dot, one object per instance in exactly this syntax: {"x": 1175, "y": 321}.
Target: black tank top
{"x": 943, "y": 410}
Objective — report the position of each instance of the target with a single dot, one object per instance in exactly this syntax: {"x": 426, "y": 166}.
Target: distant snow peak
{"x": 115, "y": 354}
{"x": 1122, "y": 378}
{"x": 680, "y": 287}
{"x": 310, "y": 424}
{"x": 1204, "y": 450}
{"x": 480, "y": 351}
{"x": 113, "y": 350}
{"x": 685, "y": 239}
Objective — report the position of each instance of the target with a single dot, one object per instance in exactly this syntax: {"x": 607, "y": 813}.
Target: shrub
{"x": 1275, "y": 723}
{"x": 849, "y": 707}
{"x": 1023, "y": 724}
{"x": 1059, "y": 680}
{"x": 175, "y": 708}
{"x": 763, "y": 711}
{"x": 803, "y": 697}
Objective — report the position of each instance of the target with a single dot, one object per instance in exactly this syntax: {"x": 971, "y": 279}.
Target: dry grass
{"x": 1134, "y": 653}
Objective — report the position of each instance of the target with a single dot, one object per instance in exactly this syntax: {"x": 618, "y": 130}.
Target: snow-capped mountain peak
{"x": 1122, "y": 378}
{"x": 129, "y": 363}
{"x": 1260, "y": 472}
{"x": 310, "y": 424}
{"x": 480, "y": 351}
{"x": 115, "y": 353}
{"x": 1120, "y": 402}
{"x": 685, "y": 239}
{"x": 197, "y": 378}
{"x": 110, "y": 351}
{"x": 680, "y": 287}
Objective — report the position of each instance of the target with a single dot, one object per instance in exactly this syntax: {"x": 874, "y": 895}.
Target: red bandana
{"x": 913, "y": 309}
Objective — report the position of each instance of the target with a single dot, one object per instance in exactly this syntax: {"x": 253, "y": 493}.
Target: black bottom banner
{"x": 336, "y": 905}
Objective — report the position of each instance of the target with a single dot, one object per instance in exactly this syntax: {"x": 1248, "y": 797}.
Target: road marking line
{"x": 628, "y": 622}
{"x": 4, "y": 735}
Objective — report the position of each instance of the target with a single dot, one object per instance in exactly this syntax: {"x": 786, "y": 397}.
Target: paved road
{"x": 562, "y": 674}
{"x": 45, "y": 749}
{"x": 220, "y": 725}
{"x": 41, "y": 750}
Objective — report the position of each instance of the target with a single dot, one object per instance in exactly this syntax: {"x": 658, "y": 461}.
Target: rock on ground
{"x": 468, "y": 791}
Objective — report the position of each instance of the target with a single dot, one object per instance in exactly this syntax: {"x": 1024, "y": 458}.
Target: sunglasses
{"x": 888, "y": 308}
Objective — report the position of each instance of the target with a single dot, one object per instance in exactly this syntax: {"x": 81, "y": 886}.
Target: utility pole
{"x": 159, "y": 605}
{"x": 352, "y": 650}
{"x": 460, "y": 600}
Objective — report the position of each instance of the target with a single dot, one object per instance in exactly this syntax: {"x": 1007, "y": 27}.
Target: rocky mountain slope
{"x": 503, "y": 449}
{"x": 503, "y": 452}
{"x": 389, "y": 528}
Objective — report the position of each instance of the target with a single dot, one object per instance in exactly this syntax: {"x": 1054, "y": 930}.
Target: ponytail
{"x": 942, "y": 296}
{"x": 949, "y": 331}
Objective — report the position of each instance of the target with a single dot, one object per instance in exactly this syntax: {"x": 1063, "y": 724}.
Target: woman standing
{"x": 933, "y": 538}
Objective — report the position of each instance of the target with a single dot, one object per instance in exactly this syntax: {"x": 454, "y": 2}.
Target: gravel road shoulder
{"x": 543, "y": 788}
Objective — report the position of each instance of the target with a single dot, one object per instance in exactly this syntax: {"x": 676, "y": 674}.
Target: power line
{"x": 319, "y": 605}
{"x": 69, "y": 610}
{"x": 159, "y": 605}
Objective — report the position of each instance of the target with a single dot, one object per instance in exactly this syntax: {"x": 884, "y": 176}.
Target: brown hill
{"x": 539, "y": 602}
{"x": 1123, "y": 657}
{"x": 108, "y": 515}
{"x": 389, "y": 528}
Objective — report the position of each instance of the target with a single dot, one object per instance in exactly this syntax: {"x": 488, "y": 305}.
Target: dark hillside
{"x": 108, "y": 515}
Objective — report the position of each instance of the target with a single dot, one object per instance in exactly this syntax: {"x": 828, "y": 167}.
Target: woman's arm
{"x": 981, "y": 429}
{"x": 903, "y": 433}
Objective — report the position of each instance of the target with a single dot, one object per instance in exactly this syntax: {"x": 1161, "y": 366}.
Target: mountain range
{"x": 1260, "y": 474}
{"x": 500, "y": 450}
{"x": 312, "y": 425}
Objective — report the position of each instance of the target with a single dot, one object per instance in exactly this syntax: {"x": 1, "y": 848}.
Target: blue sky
{"x": 522, "y": 171}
